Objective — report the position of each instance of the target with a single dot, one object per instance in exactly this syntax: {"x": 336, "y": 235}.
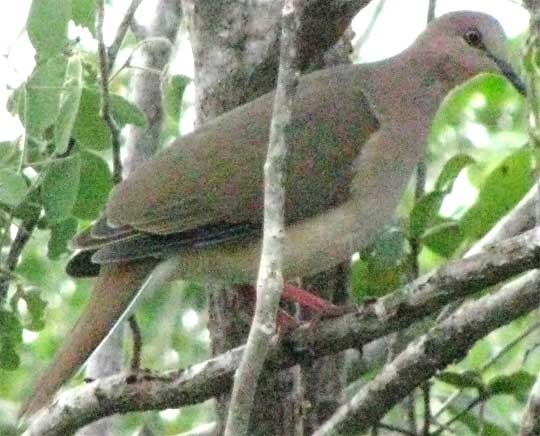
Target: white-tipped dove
{"x": 358, "y": 132}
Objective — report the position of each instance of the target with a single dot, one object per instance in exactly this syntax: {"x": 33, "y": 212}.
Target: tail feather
{"x": 115, "y": 288}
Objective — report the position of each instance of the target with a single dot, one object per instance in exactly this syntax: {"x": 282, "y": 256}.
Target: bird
{"x": 356, "y": 135}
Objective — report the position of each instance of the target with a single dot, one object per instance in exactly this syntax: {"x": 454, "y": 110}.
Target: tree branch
{"x": 445, "y": 343}
{"x": 122, "y": 30}
{"x": 530, "y": 424}
{"x": 322, "y": 24}
{"x": 156, "y": 50}
{"x": 105, "y": 104}
{"x": 24, "y": 232}
{"x": 107, "y": 360}
{"x": 520, "y": 219}
{"x": 395, "y": 311}
{"x": 270, "y": 278}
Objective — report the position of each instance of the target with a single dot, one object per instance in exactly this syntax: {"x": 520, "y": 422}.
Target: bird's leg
{"x": 319, "y": 306}
{"x": 285, "y": 322}
{"x": 307, "y": 299}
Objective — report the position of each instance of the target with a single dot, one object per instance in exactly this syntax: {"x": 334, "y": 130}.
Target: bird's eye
{"x": 473, "y": 37}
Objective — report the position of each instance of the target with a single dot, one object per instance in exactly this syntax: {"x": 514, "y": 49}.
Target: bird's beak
{"x": 510, "y": 74}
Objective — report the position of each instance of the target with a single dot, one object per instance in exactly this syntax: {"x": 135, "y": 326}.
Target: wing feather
{"x": 207, "y": 187}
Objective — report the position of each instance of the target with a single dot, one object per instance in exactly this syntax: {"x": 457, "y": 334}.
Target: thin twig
{"x": 203, "y": 430}
{"x": 127, "y": 62}
{"x": 426, "y": 395}
{"x": 24, "y": 232}
{"x": 369, "y": 28}
{"x": 442, "y": 428}
{"x": 105, "y": 103}
{"x": 431, "y": 10}
{"x": 122, "y": 30}
{"x": 509, "y": 346}
{"x": 395, "y": 429}
{"x": 137, "y": 343}
{"x": 270, "y": 279}
{"x": 530, "y": 423}
{"x": 502, "y": 352}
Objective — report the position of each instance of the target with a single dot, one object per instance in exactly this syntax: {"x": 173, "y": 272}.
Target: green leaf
{"x": 36, "y": 307}
{"x": 14, "y": 101}
{"x": 125, "y": 112}
{"x": 60, "y": 187}
{"x": 94, "y": 187}
{"x": 501, "y": 190}
{"x": 195, "y": 295}
{"x": 452, "y": 110}
{"x": 84, "y": 14}
{"x": 38, "y": 101}
{"x": 9, "y": 359}
{"x": 30, "y": 208}
{"x": 9, "y": 153}
{"x": 518, "y": 383}
{"x": 467, "y": 379}
{"x": 380, "y": 269}
{"x": 443, "y": 238}
{"x": 90, "y": 130}
{"x": 173, "y": 95}
{"x": 389, "y": 247}
{"x": 47, "y": 26}
{"x": 61, "y": 233}
{"x": 69, "y": 105}
{"x": 451, "y": 170}
{"x": 10, "y": 327}
{"x": 424, "y": 212}
{"x": 13, "y": 187}
{"x": 473, "y": 423}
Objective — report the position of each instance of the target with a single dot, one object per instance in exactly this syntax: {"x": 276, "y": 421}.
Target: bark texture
{"x": 236, "y": 49}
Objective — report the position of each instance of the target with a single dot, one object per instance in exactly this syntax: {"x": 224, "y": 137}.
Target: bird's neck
{"x": 412, "y": 94}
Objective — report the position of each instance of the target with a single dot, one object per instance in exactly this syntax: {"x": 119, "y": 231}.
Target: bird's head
{"x": 464, "y": 44}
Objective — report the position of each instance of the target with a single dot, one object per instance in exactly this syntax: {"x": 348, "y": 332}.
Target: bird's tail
{"x": 115, "y": 288}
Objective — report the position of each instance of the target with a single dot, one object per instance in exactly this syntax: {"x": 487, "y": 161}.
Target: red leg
{"x": 285, "y": 322}
{"x": 307, "y": 299}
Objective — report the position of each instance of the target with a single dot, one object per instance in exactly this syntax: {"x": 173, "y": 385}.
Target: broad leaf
{"x": 94, "y": 187}
{"x": 451, "y": 170}
{"x": 61, "y": 233}
{"x": 37, "y": 101}
{"x": 60, "y": 187}
{"x": 125, "y": 112}
{"x": 84, "y": 14}
{"x": 13, "y": 187}
{"x": 501, "y": 190}
{"x": 90, "y": 130}
{"x": 47, "y": 26}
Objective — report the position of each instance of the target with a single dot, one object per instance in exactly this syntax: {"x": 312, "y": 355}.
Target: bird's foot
{"x": 319, "y": 307}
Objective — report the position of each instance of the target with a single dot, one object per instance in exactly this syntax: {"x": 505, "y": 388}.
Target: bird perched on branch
{"x": 195, "y": 210}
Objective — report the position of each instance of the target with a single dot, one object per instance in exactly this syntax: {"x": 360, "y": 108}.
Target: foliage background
{"x": 478, "y": 165}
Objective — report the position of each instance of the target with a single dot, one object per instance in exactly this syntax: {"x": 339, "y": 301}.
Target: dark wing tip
{"x": 81, "y": 265}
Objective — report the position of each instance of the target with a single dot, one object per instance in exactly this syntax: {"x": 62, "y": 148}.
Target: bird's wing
{"x": 207, "y": 187}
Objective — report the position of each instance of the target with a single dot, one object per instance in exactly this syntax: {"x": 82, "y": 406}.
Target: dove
{"x": 357, "y": 133}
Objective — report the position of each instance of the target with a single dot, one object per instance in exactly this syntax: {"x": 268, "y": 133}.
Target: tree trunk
{"x": 234, "y": 47}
